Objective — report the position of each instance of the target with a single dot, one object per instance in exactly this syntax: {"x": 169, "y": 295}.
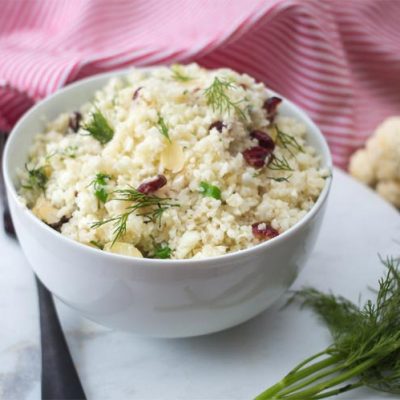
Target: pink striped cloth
{"x": 337, "y": 59}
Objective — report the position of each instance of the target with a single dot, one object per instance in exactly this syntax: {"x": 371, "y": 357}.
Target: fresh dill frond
{"x": 217, "y": 97}
{"x": 151, "y": 207}
{"x": 119, "y": 225}
{"x": 37, "y": 179}
{"x": 279, "y": 164}
{"x": 287, "y": 141}
{"x": 163, "y": 127}
{"x": 99, "y": 128}
{"x": 100, "y": 186}
{"x": 178, "y": 74}
{"x": 280, "y": 179}
{"x": 365, "y": 349}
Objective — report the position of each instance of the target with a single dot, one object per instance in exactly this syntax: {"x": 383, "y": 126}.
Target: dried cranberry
{"x": 264, "y": 140}
{"x": 57, "y": 225}
{"x": 257, "y": 156}
{"x": 264, "y": 231}
{"x": 136, "y": 93}
{"x": 75, "y": 120}
{"x": 271, "y": 105}
{"x": 218, "y": 125}
{"x": 152, "y": 185}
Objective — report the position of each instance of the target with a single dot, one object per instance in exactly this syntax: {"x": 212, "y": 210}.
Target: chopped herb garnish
{"x": 99, "y": 127}
{"x": 218, "y": 99}
{"x": 178, "y": 74}
{"x": 280, "y": 179}
{"x": 162, "y": 251}
{"x": 37, "y": 179}
{"x": 208, "y": 190}
{"x": 49, "y": 156}
{"x": 100, "y": 186}
{"x": 272, "y": 178}
{"x": 279, "y": 164}
{"x": 163, "y": 128}
{"x": 70, "y": 151}
{"x": 150, "y": 207}
{"x": 97, "y": 244}
{"x": 288, "y": 141}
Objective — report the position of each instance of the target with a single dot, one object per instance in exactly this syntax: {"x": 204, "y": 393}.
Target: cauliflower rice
{"x": 222, "y": 193}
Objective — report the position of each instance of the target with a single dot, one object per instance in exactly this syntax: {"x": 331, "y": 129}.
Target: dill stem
{"x": 312, "y": 379}
{"x": 348, "y": 374}
{"x": 335, "y": 392}
{"x": 307, "y": 361}
{"x": 293, "y": 377}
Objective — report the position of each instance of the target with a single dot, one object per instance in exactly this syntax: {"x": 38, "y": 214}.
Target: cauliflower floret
{"x": 390, "y": 190}
{"x": 385, "y": 147}
{"x": 378, "y": 165}
{"x": 361, "y": 167}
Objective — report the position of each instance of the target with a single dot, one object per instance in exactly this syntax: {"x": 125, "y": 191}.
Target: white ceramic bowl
{"x": 163, "y": 298}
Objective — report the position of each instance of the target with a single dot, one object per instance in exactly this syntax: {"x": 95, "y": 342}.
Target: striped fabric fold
{"x": 337, "y": 59}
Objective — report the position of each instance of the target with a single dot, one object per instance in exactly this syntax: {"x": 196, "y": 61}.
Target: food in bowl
{"x": 173, "y": 162}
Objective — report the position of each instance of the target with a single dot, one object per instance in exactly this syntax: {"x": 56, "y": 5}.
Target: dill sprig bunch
{"x": 150, "y": 207}
{"x": 365, "y": 349}
{"x": 217, "y": 97}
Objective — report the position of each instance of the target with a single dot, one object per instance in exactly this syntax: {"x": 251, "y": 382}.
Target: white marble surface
{"x": 235, "y": 364}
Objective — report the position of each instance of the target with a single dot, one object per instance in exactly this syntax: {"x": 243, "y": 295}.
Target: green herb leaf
{"x": 150, "y": 207}
{"x": 101, "y": 194}
{"x": 37, "y": 179}
{"x": 162, "y": 251}
{"x": 70, "y": 151}
{"x": 163, "y": 128}
{"x": 287, "y": 141}
{"x": 280, "y": 179}
{"x": 178, "y": 75}
{"x": 279, "y": 164}
{"x": 99, "y": 127}
{"x": 365, "y": 349}
{"x": 208, "y": 190}
{"x": 217, "y": 97}
{"x": 97, "y": 244}
{"x": 48, "y": 157}
{"x": 99, "y": 186}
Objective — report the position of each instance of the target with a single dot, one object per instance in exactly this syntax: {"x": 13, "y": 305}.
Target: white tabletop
{"x": 235, "y": 364}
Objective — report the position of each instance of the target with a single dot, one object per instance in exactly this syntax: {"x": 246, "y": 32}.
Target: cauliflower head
{"x": 378, "y": 164}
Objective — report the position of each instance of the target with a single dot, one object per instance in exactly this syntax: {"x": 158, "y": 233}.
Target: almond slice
{"x": 123, "y": 248}
{"x": 45, "y": 211}
{"x": 172, "y": 157}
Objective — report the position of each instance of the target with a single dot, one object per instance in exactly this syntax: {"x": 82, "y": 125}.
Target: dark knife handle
{"x": 60, "y": 380}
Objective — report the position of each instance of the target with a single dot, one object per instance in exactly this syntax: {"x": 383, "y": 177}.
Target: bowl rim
{"x": 326, "y": 159}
